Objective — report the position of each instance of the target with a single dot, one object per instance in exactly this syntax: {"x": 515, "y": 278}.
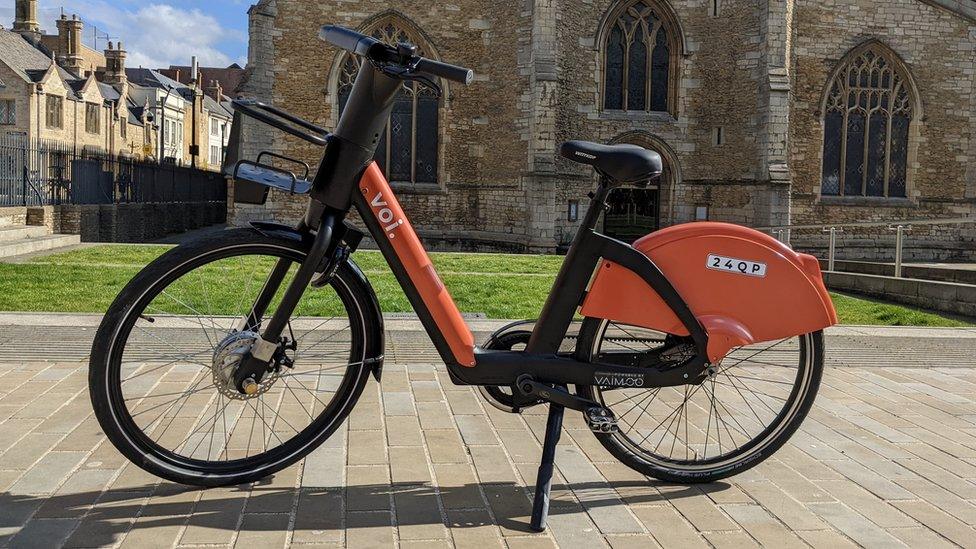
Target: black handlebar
{"x": 446, "y": 70}
{"x": 347, "y": 39}
{"x": 360, "y": 44}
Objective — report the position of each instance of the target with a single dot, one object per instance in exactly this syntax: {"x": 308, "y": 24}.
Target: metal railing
{"x": 832, "y": 230}
{"x": 34, "y": 173}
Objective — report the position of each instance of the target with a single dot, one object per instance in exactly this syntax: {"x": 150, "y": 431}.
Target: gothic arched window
{"x": 407, "y": 151}
{"x": 868, "y": 112}
{"x": 639, "y": 72}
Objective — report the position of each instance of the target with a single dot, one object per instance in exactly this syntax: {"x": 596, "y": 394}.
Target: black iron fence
{"x": 36, "y": 173}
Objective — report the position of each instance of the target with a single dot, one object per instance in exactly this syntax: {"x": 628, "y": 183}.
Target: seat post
{"x": 598, "y": 203}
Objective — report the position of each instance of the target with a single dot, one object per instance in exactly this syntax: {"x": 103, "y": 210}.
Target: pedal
{"x": 600, "y": 420}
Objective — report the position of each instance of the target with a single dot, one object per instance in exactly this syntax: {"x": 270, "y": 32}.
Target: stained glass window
{"x": 637, "y": 63}
{"x": 868, "y": 112}
{"x": 407, "y": 151}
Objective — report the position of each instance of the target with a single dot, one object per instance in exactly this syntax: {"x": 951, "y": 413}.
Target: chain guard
{"x": 506, "y": 398}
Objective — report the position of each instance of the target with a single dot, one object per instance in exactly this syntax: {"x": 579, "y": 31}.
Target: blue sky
{"x": 156, "y": 34}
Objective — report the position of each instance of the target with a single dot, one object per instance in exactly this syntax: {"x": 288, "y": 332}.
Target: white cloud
{"x": 155, "y": 35}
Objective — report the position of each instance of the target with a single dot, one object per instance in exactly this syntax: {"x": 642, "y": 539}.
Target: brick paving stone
{"x": 325, "y": 466}
{"x": 730, "y": 540}
{"x": 367, "y": 488}
{"x": 28, "y": 450}
{"x": 43, "y": 533}
{"x": 458, "y": 486}
{"x": 408, "y": 465}
{"x": 492, "y": 465}
{"x": 445, "y": 446}
{"x": 942, "y": 498}
{"x": 398, "y": 404}
{"x": 367, "y": 448}
{"x": 522, "y": 447}
{"x": 920, "y": 537}
{"x": 366, "y": 416}
{"x": 575, "y": 530}
{"x": 867, "y": 504}
{"x": 784, "y": 507}
{"x": 275, "y": 494}
{"x": 476, "y": 430}
{"x": 762, "y": 526}
{"x": 426, "y": 391}
{"x": 826, "y": 539}
{"x": 418, "y": 515}
{"x": 854, "y": 525}
{"x": 75, "y": 497}
{"x": 403, "y": 431}
{"x": 434, "y": 415}
{"x": 953, "y": 529}
{"x": 263, "y": 530}
{"x": 474, "y": 529}
{"x": 668, "y": 527}
{"x": 537, "y": 542}
{"x": 639, "y": 541}
{"x": 215, "y": 517}
{"x": 319, "y": 516}
{"x": 369, "y": 530}
{"x": 886, "y": 458}
{"x": 48, "y": 473}
{"x": 108, "y": 521}
{"x": 703, "y": 514}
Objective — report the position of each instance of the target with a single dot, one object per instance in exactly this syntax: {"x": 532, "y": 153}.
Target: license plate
{"x": 737, "y": 266}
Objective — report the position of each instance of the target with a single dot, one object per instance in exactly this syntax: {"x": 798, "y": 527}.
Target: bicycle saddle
{"x": 621, "y": 163}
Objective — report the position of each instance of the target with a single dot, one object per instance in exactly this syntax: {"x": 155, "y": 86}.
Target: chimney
{"x": 115, "y": 64}
{"x": 25, "y": 21}
{"x": 69, "y": 43}
{"x": 215, "y": 91}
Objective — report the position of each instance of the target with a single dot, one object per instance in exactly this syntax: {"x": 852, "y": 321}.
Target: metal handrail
{"x": 29, "y": 183}
{"x": 904, "y": 222}
{"x": 898, "y": 226}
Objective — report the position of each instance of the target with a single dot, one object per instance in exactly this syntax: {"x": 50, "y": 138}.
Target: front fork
{"x": 256, "y": 363}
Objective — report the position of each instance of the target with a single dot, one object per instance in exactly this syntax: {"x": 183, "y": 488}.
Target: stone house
{"x": 57, "y": 89}
{"x": 766, "y": 112}
{"x": 42, "y": 100}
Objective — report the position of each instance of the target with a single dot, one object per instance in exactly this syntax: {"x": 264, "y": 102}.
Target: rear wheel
{"x": 163, "y": 362}
{"x": 747, "y": 408}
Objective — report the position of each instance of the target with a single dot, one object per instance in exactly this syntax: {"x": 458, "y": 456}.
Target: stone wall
{"x": 129, "y": 222}
{"x": 936, "y": 46}
{"x": 12, "y": 216}
{"x": 754, "y": 70}
{"x": 945, "y": 297}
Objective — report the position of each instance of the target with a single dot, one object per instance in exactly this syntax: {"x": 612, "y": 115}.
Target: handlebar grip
{"x": 347, "y": 39}
{"x": 445, "y": 70}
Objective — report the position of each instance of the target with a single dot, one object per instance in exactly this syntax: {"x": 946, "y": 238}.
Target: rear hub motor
{"x": 228, "y": 357}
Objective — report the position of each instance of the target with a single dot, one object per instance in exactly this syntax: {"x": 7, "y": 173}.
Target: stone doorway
{"x": 632, "y": 213}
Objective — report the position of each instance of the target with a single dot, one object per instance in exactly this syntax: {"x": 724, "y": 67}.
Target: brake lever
{"x": 406, "y": 73}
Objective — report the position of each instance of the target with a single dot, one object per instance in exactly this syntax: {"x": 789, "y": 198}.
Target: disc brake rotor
{"x": 228, "y": 357}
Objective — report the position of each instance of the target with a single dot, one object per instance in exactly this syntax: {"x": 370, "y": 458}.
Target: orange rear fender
{"x": 743, "y": 286}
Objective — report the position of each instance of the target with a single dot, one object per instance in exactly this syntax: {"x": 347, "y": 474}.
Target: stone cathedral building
{"x": 766, "y": 112}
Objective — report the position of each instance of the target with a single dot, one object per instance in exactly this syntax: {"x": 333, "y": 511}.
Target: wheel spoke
{"x": 177, "y": 364}
{"x": 716, "y": 420}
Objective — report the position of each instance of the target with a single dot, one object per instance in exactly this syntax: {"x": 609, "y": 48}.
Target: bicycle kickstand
{"x": 543, "y": 483}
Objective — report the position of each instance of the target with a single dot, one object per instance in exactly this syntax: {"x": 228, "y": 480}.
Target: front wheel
{"x": 163, "y": 362}
{"x": 747, "y": 408}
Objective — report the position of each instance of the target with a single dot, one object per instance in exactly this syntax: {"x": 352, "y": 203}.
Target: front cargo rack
{"x": 253, "y": 179}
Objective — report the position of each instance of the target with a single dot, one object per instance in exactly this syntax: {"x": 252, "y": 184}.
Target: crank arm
{"x": 531, "y": 388}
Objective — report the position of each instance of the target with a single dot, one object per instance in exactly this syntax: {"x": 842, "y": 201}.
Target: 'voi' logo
{"x": 385, "y": 215}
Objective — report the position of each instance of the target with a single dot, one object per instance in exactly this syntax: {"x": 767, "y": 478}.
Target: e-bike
{"x": 229, "y": 358}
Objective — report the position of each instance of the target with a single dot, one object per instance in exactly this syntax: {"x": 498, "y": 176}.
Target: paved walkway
{"x": 887, "y": 458}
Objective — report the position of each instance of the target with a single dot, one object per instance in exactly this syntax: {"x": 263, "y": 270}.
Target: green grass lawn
{"x": 499, "y": 285}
